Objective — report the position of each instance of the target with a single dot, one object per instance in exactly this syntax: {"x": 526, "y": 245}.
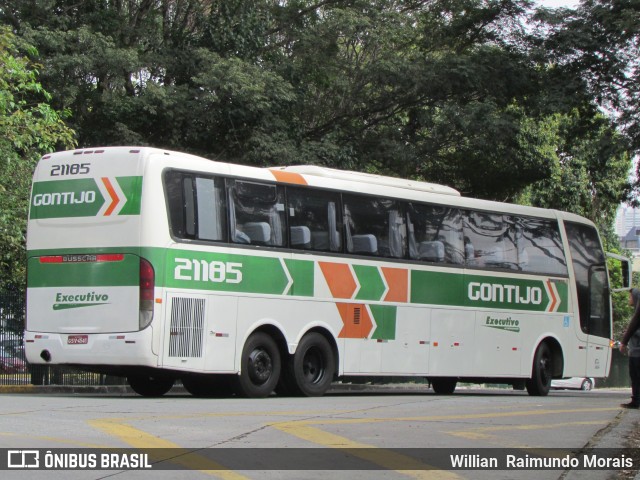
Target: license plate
{"x": 77, "y": 339}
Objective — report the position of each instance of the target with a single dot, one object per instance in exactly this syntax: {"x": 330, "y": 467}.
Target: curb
{"x": 126, "y": 390}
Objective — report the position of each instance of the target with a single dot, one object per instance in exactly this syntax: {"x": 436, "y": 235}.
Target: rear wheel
{"x": 260, "y": 366}
{"x": 542, "y": 372}
{"x": 309, "y": 371}
{"x": 444, "y": 385}
{"x": 150, "y": 385}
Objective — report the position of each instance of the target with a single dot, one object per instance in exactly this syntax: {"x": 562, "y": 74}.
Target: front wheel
{"x": 542, "y": 372}
{"x": 260, "y": 366}
{"x": 150, "y": 385}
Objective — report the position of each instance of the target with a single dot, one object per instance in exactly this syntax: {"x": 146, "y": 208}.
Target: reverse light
{"x": 147, "y": 285}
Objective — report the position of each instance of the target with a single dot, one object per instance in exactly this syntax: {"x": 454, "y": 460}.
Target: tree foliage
{"x": 29, "y": 127}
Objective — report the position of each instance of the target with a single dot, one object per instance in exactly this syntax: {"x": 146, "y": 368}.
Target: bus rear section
{"x": 89, "y": 288}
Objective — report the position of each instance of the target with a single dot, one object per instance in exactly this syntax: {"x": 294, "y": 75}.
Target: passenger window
{"x": 313, "y": 220}
{"x": 374, "y": 226}
{"x": 540, "y": 246}
{"x": 196, "y": 206}
{"x": 435, "y": 234}
{"x": 492, "y": 239}
{"x": 211, "y": 222}
{"x": 256, "y": 213}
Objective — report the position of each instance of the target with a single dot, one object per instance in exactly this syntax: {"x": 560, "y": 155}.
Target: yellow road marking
{"x": 479, "y": 433}
{"x": 378, "y": 456}
{"x": 141, "y": 439}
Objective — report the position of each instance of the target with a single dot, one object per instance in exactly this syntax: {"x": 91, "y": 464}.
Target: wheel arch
{"x": 557, "y": 355}
{"x": 326, "y": 333}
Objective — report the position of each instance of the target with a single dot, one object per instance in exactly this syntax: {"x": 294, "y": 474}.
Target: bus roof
{"x": 369, "y": 178}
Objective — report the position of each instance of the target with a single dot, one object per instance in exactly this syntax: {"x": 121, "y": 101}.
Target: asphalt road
{"x": 376, "y": 424}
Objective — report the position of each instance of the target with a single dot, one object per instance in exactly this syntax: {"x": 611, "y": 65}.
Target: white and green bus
{"x": 161, "y": 267}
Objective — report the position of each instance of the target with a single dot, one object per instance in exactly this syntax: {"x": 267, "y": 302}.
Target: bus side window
{"x": 256, "y": 213}
{"x": 540, "y": 247}
{"x": 211, "y": 224}
{"x": 312, "y": 219}
{"x": 493, "y": 237}
{"x": 179, "y": 191}
{"x": 374, "y": 226}
{"x": 435, "y": 234}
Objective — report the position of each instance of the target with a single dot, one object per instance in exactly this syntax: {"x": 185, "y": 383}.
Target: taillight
{"x": 147, "y": 284}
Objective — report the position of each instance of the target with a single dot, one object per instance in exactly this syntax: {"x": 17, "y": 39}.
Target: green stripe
{"x": 301, "y": 272}
{"x": 81, "y": 198}
{"x": 268, "y": 275}
{"x": 371, "y": 285}
{"x": 90, "y": 274}
{"x": 385, "y": 317}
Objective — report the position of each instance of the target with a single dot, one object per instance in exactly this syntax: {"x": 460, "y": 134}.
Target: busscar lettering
{"x": 204, "y": 271}
{"x": 499, "y": 293}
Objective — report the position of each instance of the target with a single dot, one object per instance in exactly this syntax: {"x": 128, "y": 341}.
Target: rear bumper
{"x": 131, "y": 348}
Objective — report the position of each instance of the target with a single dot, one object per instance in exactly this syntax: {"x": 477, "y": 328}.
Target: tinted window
{"x": 590, "y": 277}
{"x": 490, "y": 240}
{"x": 540, "y": 246}
{"x": 196, "y": 206}
{"x": 314, "y": 220}
{"x": 435, "y": 234}
{"x": 256, "y": 213}
{"x": 374, "y": 226}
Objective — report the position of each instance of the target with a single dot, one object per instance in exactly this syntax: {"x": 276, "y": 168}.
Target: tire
{"x": 443, "y": 385}
{"x": 586, "y": 385}
{"x": 208, "y": 385}
{"x": 150, "y": 385}
{"x": 541, "y": 373}
{"x": 310, "y": 370}
{"x": 260, "y": 366}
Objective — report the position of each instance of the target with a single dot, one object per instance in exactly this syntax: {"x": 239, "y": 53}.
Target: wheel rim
{"x": 313, "y": 366}
{"x": 260, "y": 366}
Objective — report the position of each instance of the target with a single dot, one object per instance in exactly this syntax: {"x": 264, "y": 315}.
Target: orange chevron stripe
{"x": 114, "y": 196}
{"x": 554, "y": 299}
{"x": 288, "y": 177}
{"x": 398, "y": 281}
{"x": 356, "y": 320}
{"x": 339, "y": 278}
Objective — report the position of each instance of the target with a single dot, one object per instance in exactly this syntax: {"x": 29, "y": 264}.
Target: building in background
{"x": 628, "y": 231}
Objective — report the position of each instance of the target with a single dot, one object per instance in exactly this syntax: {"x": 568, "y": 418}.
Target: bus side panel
{"x": 407, "y": 352}
{"x": 199, "y": 332}
{"x": 452, "y": 342}
{"x": 499, "y": 342}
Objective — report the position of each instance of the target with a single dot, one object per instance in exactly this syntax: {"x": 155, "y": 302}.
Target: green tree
{"x": 29, "y": 127}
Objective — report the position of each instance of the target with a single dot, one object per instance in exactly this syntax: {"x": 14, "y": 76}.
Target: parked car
{"x": 574, "y": 383}
{"x": 10, "y": 363}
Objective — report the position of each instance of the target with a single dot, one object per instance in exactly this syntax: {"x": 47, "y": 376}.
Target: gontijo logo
{"x": 86, "y": 197}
